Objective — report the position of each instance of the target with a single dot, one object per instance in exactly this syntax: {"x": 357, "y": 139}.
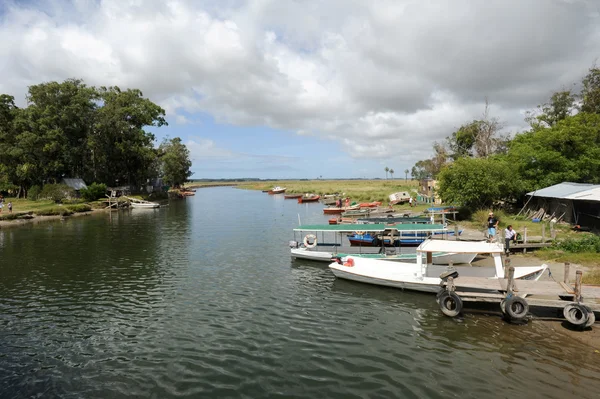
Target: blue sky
{"x": 302, "y": 89}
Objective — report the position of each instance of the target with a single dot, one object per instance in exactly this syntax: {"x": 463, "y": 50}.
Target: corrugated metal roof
{"x": 587, "y": 195}
{"x": 563, "y": 190}
{"x": 75, "y": 184}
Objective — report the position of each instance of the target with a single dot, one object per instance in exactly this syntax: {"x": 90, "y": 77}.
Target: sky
{"x": 290, "y": 89}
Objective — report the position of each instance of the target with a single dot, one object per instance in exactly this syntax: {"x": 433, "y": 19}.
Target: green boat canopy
{"x": 379, "y": 227}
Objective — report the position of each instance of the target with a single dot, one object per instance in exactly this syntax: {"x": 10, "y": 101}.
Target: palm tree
{"x": 406, "y": 174}
{"x": 392, "y": 173}
{"x": 386, "y": 171}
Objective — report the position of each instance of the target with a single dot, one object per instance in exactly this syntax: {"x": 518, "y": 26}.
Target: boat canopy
{"x": 469, "y": 247}
{"x": 377, "y": 227}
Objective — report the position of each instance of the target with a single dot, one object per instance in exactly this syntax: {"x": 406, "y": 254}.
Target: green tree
{"x": 477, "y": 182}
{"x": 120, "y": 148}
{"x": 422, "y": 169}
{"x": 392, "y": 173}
{"x": 406, "y": 171}
{"x": 568, "y": 151}
{"x": 561, "y": 105}
{"x": 590, "y": 93}
{"x": 175, "y": 160}
{"x": 386, "y": 171}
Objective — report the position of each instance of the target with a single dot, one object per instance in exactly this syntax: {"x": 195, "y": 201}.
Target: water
{"x": 201, "y": 299}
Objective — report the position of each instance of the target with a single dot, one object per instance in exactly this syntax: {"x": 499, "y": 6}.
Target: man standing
{"x": 509, "y": 234}
{"x": 492, "y": 224}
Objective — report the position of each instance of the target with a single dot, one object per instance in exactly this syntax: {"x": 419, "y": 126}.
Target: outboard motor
{"x": 294, "y": 244}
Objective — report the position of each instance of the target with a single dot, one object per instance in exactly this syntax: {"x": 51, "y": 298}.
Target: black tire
{"x": 450, "y": 304}
{"x": 516, "y": 308}
{"x": 576, "y": 314}
{"x": 591, "y": 317}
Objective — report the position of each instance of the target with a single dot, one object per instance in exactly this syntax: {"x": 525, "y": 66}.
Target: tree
{"x": 590, "y": 93}
{"x": 568, "y": 151}
{"x": 386, "y": 171}
{"x": 477, "y": 182}
{"x": 422, "y": 169}
{"x": 120, "y": 147}
{"x": 406, "y": 174}
{"x": 392, "y": 173}
{"x": 175, "y": 161}
{"x": 561, "y": 105}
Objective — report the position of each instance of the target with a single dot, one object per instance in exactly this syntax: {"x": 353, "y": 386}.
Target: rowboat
{"x": 277, "y": 190}
{"x": 333, "y": 210}
{"x": 410, "y": 236}
{"x": 292, "y": 196}
{"x": 373, "y": 204}
{"x": 308, "y": 198}
{"x": 423, "y": 275}
{"x": 332, "y": 237}
{"x": 138, "y": 203}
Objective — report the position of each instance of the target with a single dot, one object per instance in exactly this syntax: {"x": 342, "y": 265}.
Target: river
{"x": 201, "y": 299}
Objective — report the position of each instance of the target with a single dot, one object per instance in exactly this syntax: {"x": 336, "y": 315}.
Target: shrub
{"x": 79, "y": 208}
{"x": 587, "y": 243}
{"x": 57, "y": 192}
{"x": 34, "y": 192}
{"x": 54, "y": 212}
{"x": 93, "y": 192}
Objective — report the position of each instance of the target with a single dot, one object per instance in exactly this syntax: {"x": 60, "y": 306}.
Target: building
{"x": 75, "y": 183}
{"x": 575, "y": 203}
{"x": 428, "y": 191}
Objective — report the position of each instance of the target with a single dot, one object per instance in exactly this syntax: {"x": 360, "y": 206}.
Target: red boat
{"x": 373, "y": 204}
{"x": 292, "y": 196}
{"x": 308, "y": 198}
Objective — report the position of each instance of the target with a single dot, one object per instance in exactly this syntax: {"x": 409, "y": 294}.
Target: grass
{"x": 591, "y": 277}
{"x": 357, "y": 190}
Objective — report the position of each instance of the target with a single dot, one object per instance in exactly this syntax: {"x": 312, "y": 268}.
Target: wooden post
{"x": 567, "y": 267}
{"x": 543, "y": 232}
{"x": 578, "y": 276}
{"x": 429, "y": 258}
{"x": 511, "y": 281}
{"x": 506, "y": 267}
{"x": 450, "y": 285}
{"x": 525, "y": 240}
{"x": 456, "y": 231}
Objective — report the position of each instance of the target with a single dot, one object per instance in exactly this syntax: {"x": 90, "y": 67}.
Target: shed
{"x": 75, "y": 183}
{"x": 576, "y": 203}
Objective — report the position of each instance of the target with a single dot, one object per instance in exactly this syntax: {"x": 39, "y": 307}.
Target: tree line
{"x": 478, "y": 165}
{"x": 98, "y": 134}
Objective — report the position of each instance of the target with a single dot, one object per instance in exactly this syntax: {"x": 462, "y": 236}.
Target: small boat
{"x": 308, "y": 198}
{"x": 292, "y": 196}
{"x": 357, "y": 213}
{"x": 424, "y": 276}
{"x": 373, "y": 204}
{"x": 138, "y": 203}
{"x": 333, "y": 210}
{"x": 325, "y": 251}
{"x": 277, "y": 190}
{"x": 399, "y": 198}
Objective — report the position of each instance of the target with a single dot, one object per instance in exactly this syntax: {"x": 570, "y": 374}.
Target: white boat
{"x": 138, "y": 203}
{"x": 311, "y": 249}
{"x": 423, "y": 275}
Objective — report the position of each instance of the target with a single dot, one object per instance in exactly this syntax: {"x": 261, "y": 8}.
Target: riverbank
{"x": 36, "y": 219}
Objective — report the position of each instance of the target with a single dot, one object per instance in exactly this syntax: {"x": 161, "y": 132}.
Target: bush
{"x": 34, "y": 192}
{"x": 93, "y": 192}
{"x": 79, "y": 208}
{"x": 588, "y": 243}
{"x": 54, "y": 212}
{"x": 57, "y": 192}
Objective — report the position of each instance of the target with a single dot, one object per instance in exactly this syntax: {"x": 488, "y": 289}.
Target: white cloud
{"x": 385, "y": 78}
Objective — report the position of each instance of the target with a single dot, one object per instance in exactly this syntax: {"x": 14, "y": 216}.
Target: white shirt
{"x": 509, "y": 234}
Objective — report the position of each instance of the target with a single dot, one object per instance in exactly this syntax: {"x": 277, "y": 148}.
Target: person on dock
{"x": 509, "y": 234}
{"x": 492, "y": 224}
{"x": 410, "y": 202}
{"x": 9, "y": 205}
{"x": 347, "y": 202}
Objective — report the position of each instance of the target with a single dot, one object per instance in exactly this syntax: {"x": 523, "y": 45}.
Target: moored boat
{"x": 333, "y": 210}
{"x": 308, "y": 198}
{"x": 292, "y": 196}
{"x": 424, "y": 276}
{"x": 277, "y": 190}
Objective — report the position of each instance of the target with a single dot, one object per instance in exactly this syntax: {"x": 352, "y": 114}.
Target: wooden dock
{"x": 515, "y": 296}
